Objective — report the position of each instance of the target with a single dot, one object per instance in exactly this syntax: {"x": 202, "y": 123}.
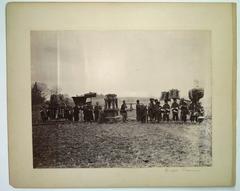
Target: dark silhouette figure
{"x": 138, "y": 117}
{"x": 123, "y": 111}
{"x": 76, "y": 113}
{"x": 175, "y": 108}
{"x": 97, "y": 109}
{"x": 166, "y": 111}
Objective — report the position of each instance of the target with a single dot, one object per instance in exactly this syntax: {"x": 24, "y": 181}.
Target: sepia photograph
{"x": 121, "y": 98}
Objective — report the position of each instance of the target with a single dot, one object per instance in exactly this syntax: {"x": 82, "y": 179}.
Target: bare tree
{"x": 38, "y": 95}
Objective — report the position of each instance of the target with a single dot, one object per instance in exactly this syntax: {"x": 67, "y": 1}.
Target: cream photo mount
{"x": 218, "y": 18}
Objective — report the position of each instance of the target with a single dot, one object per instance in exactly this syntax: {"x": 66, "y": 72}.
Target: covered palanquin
{"x": 196, "y": 94}
{"x": 111, "y": 105}
{"x": 165, "y": 96}
{"x": 174, "y": 94}
{"x": 81, "y": 100}
{"x": 196, "y": 108}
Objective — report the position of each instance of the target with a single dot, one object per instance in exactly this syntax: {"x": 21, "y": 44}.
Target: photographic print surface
{"x": 104, "y": 99}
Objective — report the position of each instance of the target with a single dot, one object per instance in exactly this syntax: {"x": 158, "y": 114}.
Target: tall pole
{"x": 58, "y": 62}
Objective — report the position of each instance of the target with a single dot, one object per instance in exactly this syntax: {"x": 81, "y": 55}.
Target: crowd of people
{"x": 153, "y": 112}
{"x": 86, "y": 113}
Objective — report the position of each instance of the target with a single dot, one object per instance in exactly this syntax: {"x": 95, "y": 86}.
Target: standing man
{"x": 96, "y": 111}
{"x": 70, "y": 114}
{"x": 155, "y": 110}
{"x": 138, "y": 111}
{"x": 85, "y": 113}
{"x": 184, "y": 110}
{"x": 166, "y": 109}
{"x": 101, "y": 116}
{"x": 175, "y": 108}
{"x": 158, "y": 112}
{"x": 151, "y": 110}
{"x": 123, "y": 111}
{"x": 90, "y": 111}
{"x": 66, "y": 112}
{"x": 143, "y": 113}
{"x": 76, "y": 113}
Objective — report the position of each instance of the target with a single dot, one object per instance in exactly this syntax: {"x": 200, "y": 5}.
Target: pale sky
{"x": 128, "y": 63}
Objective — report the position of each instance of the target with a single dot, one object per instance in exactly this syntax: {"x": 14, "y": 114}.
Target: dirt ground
{"x": 130, "y": 144}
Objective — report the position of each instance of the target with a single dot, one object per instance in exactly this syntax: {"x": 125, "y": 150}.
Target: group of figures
{"x": 179, "y": 110}
{"x": 155, "y": 112}
{"x": 86, "y": 113}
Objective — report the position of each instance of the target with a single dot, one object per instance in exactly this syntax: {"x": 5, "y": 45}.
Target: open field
{"x": 131, "y": 144}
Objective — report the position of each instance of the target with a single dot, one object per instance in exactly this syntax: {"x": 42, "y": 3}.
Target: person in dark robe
{"x": 76, "y": 113}
{"x": 85, "y": 113}
{"x": 155, "y": 110}
{"x": 123, "y": 111}
{"x": 184, "y": 110}
{"x": 70, "y": 113}
{"x": 151, "y": 110}
{"x": 138, "y": 117}
{"x": 175, "y": 108}
{"x": 101, "y": 117}
{"x": 166, "y": 111}
{"x": 143, "y": 113}
{"x": 158, "y": 113}
{"x": 90, "y": 112}
{"x": 96, "y": 111}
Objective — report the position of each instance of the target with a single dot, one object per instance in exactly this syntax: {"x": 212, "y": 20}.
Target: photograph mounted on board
{"x": 121, "y": 98}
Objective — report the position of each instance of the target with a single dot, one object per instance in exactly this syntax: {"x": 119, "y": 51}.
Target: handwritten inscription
{"x": 172, "y": 170}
